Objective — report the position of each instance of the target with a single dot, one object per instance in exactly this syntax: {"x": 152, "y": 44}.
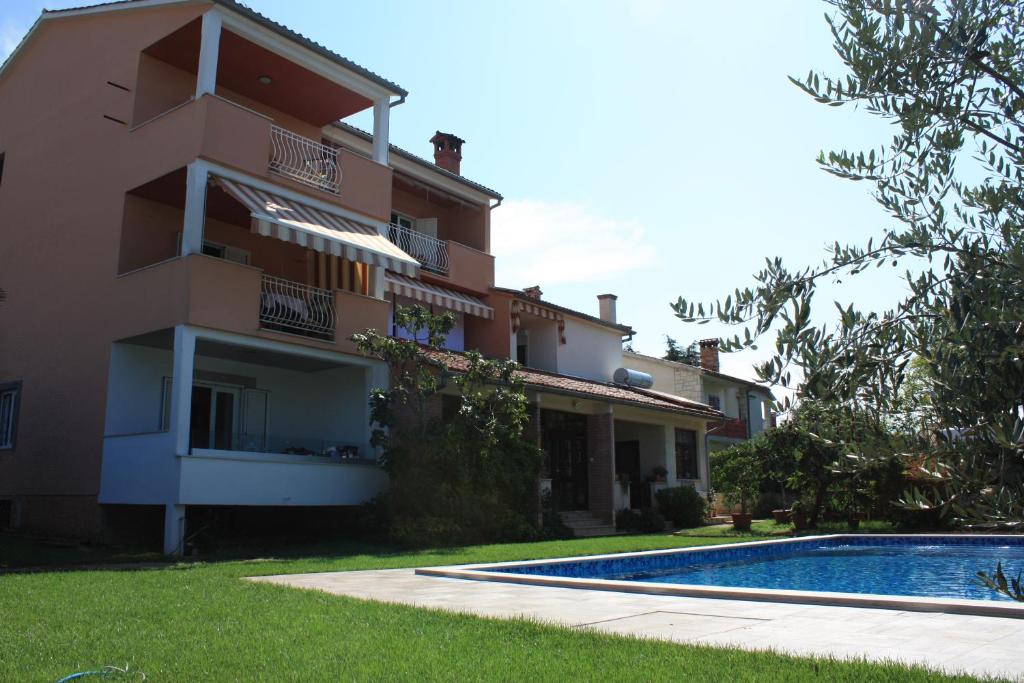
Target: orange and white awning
{"x": 520, "y": 307}
{"x": 439, "y": 296}
{"x": 307, "y": 226}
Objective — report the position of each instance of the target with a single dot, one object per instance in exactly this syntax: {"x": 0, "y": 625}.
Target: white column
{"x": 174, "y": 529}
{"x": 381, "y": 123}
{"x": 209, "y": 49}
{"x": 181, "y": 387}
{"x": 670, "y": 453}
{"x": 377, "y": 282}
{"x": 195, "y": 208}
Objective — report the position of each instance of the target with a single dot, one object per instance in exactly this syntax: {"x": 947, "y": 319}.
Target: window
{"x": 715, "y": 402}
{"x": 2, "y": 157}
{"x": 523, "y": 348}
{"x": 225, "y": 252}
{"x": 9, "y": 395}
{"x": 686, "y": 454}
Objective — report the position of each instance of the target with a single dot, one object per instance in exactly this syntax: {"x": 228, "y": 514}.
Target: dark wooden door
{"x": 627, "y": 464}
{"x": 564, "y": 440}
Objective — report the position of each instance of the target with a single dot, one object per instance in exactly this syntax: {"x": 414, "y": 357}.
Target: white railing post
{"x": 304, "y": 160}
{"x": 209, "y": 49}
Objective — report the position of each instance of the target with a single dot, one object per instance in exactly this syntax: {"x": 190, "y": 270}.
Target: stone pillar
{"x": 601, "y": 464}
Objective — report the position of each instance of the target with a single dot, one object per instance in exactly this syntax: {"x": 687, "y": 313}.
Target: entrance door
{"x": 627, "y": 463}
{"x": 564, "y": 440}
{"x": 214, "y": 416}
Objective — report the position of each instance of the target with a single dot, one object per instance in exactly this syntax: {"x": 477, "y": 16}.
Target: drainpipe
{"x": 400, "y": 100}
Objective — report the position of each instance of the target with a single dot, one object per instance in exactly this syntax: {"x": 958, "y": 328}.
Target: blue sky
{"x": 648, "y": 148}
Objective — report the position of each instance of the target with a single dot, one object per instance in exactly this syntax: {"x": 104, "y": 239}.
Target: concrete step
{"x": 587, "y": 532}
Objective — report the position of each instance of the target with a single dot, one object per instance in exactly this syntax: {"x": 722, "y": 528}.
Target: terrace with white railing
{"x": 431, "y": 252}
{"x": 303, "y": 160}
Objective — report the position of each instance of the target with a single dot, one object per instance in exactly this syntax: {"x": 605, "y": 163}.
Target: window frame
{"x": 16, "y": 389}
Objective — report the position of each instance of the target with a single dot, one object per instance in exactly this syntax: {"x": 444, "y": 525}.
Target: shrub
{"x": 647, "y": 520}
{"x": 683, "y": 506}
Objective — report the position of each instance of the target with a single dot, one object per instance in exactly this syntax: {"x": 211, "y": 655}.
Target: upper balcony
{"x": 288, "y": 90}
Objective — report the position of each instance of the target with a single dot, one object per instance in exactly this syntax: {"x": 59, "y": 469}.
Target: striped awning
{"x": 440, "y": 296}
{"x": 331, "y": 233}
{"x": 519, "y": 307}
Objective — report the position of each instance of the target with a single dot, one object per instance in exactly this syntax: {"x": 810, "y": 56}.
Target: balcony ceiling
{"x": 293, "y": 90}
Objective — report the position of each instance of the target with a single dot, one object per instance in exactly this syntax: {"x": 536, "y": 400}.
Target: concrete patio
{"x": 983, "y": 646}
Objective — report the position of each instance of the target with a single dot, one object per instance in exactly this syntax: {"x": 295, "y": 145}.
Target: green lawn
{"x": 200, "y": 621}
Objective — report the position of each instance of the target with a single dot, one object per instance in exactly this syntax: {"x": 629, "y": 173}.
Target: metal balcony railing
{"x": 288, "y": 306}
{"x": 304, "y": 160}
{"x": 431, "y": 252}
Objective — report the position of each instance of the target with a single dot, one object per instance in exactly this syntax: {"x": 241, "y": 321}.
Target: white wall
{"x": 134, "y": 390}
{"x": 669, "y": 377}
{"x": 456, "y": 339}
{"x": 591, "y": 351}
{"x": 652, "y": 445}
{"x": 542, "y": 346}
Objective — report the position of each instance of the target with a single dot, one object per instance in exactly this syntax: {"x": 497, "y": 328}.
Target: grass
{"x": 200, "y": 621}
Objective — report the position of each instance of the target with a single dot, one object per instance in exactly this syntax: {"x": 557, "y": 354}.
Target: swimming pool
{"x": 936, "y": 573}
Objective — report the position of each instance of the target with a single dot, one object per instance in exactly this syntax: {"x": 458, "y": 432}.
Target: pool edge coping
{"x": 484, "y": 572}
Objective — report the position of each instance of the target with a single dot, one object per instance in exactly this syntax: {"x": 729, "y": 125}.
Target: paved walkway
{"x": 986, "y": 646}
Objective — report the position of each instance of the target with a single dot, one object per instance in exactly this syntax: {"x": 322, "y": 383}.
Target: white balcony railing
{"x": 288, "y": 306}
{"x": 304, "y": 160}
{"x": 431, "y": 252}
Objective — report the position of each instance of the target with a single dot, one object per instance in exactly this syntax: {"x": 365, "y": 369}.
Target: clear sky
{"x": 647, "y": 148}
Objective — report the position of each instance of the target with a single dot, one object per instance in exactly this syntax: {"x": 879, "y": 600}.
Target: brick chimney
{"x": 606, "y": 307}
{"x": 709, "y": 354}
{"x": 533, "y": 292}
{"x": 447, "y": 151}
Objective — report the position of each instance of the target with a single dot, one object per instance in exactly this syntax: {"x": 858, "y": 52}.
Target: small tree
{"x": 469, "y": 476}
{"x": 737, "y": 474}
{"x": 674, "y": 352}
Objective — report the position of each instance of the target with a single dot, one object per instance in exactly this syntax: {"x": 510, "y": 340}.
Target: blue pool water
{"x": 940, "y": 567}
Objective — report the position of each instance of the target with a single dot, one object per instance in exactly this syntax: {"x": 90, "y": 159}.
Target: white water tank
{"x": 633, "y": 378}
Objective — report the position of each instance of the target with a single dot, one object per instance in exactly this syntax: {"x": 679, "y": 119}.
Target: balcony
{"x": 733, "y": 428}
{"x": 431, "y": 252}
{"x": 303, "y": 160}
{"x": 223, "y": 295}
{"x": 292, "y": 307}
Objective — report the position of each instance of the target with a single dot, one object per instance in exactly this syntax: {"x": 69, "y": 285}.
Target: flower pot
{"x": 853, "y": 521}
{"x": 799, "y": 520}
{"x": 781, "y": 516}
{"x": 741, "y": 521}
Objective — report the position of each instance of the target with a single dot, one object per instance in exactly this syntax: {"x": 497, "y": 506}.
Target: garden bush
{"x": 682, "y": 506}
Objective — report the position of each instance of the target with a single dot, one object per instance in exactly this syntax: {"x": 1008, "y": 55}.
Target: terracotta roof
{"x": 359, "y": 132}
{"x": 522, "y": 296}
{"x": 269, "y": 23}
{"x": 577, "y": 386}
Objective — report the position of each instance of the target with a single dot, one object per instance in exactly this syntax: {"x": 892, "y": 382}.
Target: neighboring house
{"x": 746, "y": 405}
{"x": 191, "y": 238}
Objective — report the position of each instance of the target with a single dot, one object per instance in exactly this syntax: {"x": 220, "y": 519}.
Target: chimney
{"x": 533, "y": 292}
{"x": 447, "y": 151}
{"x": 709, "y": 354}
{"x": 606, "y": 307}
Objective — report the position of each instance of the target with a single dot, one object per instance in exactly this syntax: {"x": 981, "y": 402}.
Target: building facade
{"x": 179, "y": 306}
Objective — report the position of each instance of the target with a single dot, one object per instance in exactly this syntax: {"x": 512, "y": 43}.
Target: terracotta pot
{"x": 853, "y": 521}
{"x": 741, "y": 521}
{"x": 781, "y": 516}
{"x": 799, "y": 520}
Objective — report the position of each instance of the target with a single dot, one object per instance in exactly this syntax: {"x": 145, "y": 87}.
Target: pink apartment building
{"x": 191, "y": 234}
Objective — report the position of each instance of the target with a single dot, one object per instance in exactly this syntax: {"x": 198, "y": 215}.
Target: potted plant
{"x": 799, "y": 516}
{"x": 854, "y": 519}
{"x": 738, "y": 477}
{"x": 782, "y": 516}
{"x": 659, "y": 473}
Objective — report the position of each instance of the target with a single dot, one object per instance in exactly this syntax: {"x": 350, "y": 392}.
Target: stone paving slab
{"x": 983, "y": 646}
